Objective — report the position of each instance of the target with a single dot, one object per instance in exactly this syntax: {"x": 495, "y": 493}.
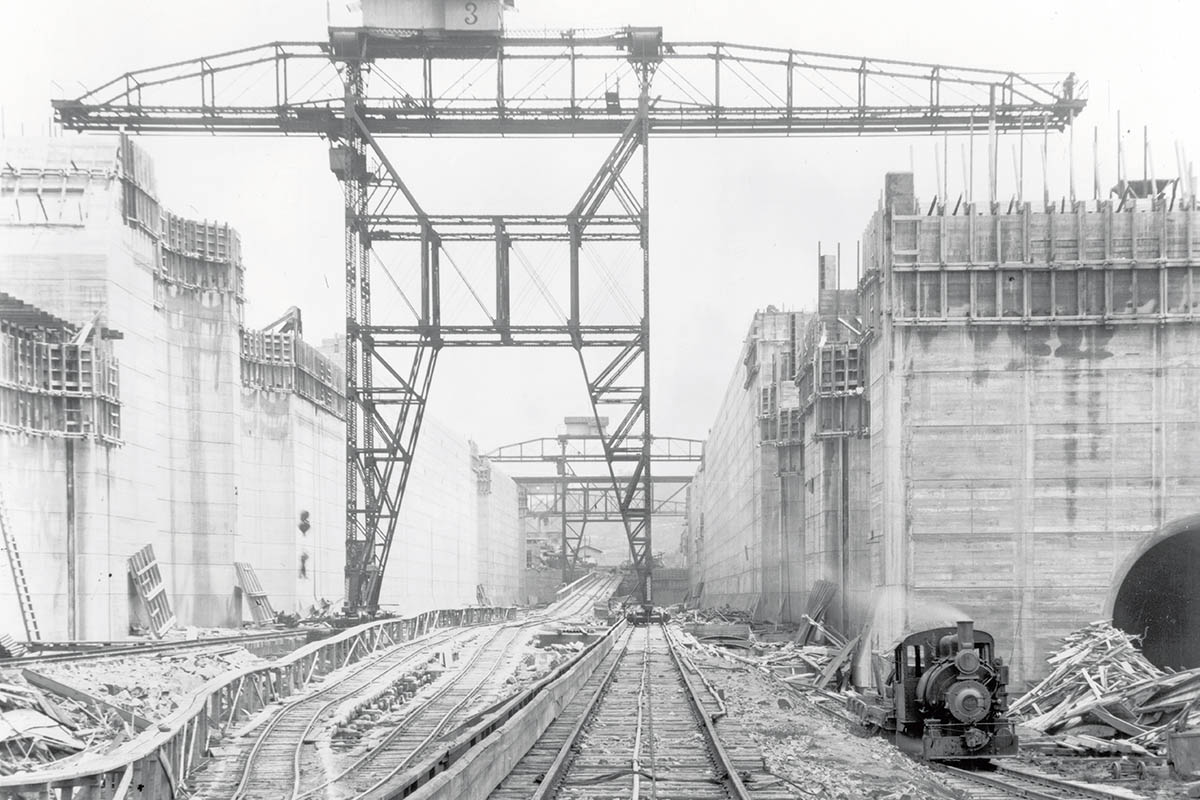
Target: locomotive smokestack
{"x": 966, "y": 634}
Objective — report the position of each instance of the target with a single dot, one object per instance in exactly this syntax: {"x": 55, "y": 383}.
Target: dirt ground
{"x": 814, "y": 752}
{"x": 1154, "y": 781}
{"x": 819, "y": 757}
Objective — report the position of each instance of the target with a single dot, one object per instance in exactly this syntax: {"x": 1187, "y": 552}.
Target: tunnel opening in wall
{"x": 1159, "y": 599}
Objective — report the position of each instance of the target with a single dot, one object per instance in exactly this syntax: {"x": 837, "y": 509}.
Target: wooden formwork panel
{"x": 260, "y": 605}
{"x": 147, "y": 579}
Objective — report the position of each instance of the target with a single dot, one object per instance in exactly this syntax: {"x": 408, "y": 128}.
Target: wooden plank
{"x": 1113, "y": 721}
{"x": 138, "y": 722}
{"x": 842, "y": 656}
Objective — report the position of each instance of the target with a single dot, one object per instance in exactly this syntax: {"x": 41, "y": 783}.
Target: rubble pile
{"x": 36, "y": 729}
{"x": 725, "y": 614}
{"x": 1104, "y": 696}
{"x": 150, "y": 686}
{"x": 537, "y": 662}
{"x": 385, "y": 705}
{"x": 811, "y": 754}
{"x": 802, "y": 666}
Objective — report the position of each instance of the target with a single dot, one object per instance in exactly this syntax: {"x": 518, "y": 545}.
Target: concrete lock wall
{"x": 73, "y": 259}
{"x": 211, "y": 468}
{"x": 1046, "y": 457}
{"x": 745, "y": 545}
{"x": 451, "y": 538}
{"x": 1019, "y": 462}
{"x": 501, "y": 561}
{"x": 291, "y": 460}
{"x": 1027, "y": 421}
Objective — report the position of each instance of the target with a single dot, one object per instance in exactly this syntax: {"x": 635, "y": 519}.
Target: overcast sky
{"x": 736, "y": 223}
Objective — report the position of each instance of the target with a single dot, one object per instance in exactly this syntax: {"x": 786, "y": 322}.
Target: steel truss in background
{"x": 361, "y": 85}
{"x": 390, "y": 366}
{"x": 577, "y": 499}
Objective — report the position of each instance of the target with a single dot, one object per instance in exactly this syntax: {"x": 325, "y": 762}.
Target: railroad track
{"x": 426, "y": 721}
{"x": 93, "y": 651}
{"x": 284, "y": 764}
{"x": 271, "y": 763}
{"x": 1006, "y": 782}
{"x": 998, "y": 780}
{"x": 643, "y": 728}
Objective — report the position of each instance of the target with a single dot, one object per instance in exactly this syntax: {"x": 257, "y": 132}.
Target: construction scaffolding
{"x": 283, "y": 362}
{"x": 1091, "y": 262}
{"x": 56, "y": 380}
{"x": 201, "y": 256}
{"x": 780, "y": 416}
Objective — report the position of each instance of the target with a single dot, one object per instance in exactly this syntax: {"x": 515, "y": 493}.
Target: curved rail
{"x": 160, "y": 758}
{"x": 392, "y": 745}
{"x": 280, "y": 757}
{"x": 304, "y": 719}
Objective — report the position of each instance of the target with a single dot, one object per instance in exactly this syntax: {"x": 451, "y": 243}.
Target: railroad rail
{"x": 1004, "y": 782}
{"x": 55, "y": 652}
{"x": 644, "y": 743}
{"x": 289, "y": 729}
{"x": 284, "y": 762}
{"x": 157, "y": 762}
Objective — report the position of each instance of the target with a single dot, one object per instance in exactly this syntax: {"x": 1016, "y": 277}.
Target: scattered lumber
{"x": 818, "y": 601}
{"x": 1104, "y": 696}
{"x": 801, "y": 666}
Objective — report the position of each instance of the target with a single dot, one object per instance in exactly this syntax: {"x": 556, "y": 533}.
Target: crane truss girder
{"x": 587, "y": 448}
{"x": 437, "y": 262}
{"x": 577, "y": 501}
{"x": 362, "y": 85}
{"x": 569, "y": 85}
{"x": 597, "y": 503}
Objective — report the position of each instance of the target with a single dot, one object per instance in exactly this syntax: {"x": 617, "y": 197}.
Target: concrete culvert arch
{"x": 1159, "y": 597}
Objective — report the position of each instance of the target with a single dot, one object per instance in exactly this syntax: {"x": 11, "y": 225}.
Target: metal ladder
{"x": 18, "y": 573}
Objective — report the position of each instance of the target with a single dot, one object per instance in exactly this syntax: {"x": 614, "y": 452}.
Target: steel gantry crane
{"x": 575, "y": 498}
{"x": 365, "y": 84}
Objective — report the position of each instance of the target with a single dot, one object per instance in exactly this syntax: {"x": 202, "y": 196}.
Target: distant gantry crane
{"x": 574, "y": 497}
{"x": 579, "y": 279}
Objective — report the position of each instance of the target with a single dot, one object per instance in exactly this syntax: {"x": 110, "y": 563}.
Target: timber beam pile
{"x": 1103, "y": 695}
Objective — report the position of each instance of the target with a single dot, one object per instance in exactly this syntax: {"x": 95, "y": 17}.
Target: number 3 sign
{"x": 473, "y": 15}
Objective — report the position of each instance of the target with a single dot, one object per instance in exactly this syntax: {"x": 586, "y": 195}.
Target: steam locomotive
{"x": 947, "y": 690}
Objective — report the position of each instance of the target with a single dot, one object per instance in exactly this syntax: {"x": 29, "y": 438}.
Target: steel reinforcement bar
{"x": 157, "y": 762}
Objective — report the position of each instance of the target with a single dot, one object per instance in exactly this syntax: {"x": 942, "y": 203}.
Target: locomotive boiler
{"x": 947, "y": 690}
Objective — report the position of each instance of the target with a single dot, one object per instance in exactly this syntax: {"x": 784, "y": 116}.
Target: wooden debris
{"x": 1101, "y": 678}
{"x": 818, "y": 601}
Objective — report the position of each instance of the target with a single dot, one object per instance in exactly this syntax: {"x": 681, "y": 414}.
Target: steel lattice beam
{"x": 576, "y": 501}
{"x": 568, "y": 85}
{"x": 362, "y": 85}
{"x": 583, "y": 449}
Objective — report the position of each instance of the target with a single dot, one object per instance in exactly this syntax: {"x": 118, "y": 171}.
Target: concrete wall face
{"x": 1020, "y": 463}
{"x": 291, "y": 460}
{"x": 201, "y": 413}
{"x": 501, "y": 545}
{"x": 73, "y": 260}
{"x": 1022, "y": 425}
{"x": 1037, "y": 462}
{"x": 211, "y": 467}
{"x": 747, "y": 555}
